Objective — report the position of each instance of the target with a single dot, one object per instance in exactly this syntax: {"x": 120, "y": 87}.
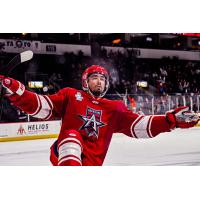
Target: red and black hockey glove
{"x": 12, "y": 86}
{"x": 181, "y": 117}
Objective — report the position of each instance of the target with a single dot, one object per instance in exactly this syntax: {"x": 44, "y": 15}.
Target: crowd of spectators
{"x": 164, "y": 76}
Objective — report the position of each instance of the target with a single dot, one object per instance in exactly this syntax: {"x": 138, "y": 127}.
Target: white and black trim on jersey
{"x": 44, "y": 107}
{"x": 70, "y": 149}
{"x": 141, "y": 127}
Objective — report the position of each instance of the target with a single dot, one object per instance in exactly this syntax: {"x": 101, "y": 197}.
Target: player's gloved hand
{"x": 12, "y": 86}
{"x": 181, "y": 117}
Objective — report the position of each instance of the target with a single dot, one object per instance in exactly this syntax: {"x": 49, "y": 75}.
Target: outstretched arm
{"x": 149, "y": 126}
{"x": 38, "y": 106}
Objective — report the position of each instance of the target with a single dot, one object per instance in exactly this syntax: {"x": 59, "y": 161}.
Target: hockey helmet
{"x": 93, "y": 70}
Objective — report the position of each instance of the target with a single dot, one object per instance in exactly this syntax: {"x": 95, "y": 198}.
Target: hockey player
{"x": 89, "y": 120}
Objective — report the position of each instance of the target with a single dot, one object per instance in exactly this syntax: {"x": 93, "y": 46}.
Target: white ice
{"x": 180, "y": 147}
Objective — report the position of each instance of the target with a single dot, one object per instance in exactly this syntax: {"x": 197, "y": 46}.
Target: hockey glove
{"x": 181, "y": 117}
{"x": 12, "y": 86}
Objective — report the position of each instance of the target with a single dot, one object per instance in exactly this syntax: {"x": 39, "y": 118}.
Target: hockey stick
{"x": 18, "y": 59}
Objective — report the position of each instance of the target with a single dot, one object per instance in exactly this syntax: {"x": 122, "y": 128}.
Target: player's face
{"x": 97, "y": 83}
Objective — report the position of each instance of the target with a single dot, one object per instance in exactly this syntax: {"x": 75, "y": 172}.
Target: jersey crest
{"x": 78, "y": 96}
{"x": 92, "y": 122}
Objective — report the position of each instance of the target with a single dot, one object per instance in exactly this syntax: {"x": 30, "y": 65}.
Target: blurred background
{"x": 150, "y": 72}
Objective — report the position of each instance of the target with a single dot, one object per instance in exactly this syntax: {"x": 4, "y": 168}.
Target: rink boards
{"x": 29, "y": 130}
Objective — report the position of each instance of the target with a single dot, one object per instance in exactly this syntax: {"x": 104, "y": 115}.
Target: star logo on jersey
{"x": 92, "y": 122}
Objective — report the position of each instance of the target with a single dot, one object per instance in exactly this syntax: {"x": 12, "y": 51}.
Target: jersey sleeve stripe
{"x": 45, "y": 109}
{"x": 70, "y": 139}
{"x": 51, "y": 106}
{"x": 133, "y": 124}
{"x": 70, "y": 148}
{"x": 49, "y": 101}
{"x": 149, "y": 126}
{"x": 38, "y": 106}
{"x": 69, "y": 158}
{"x": 141, "y": 127}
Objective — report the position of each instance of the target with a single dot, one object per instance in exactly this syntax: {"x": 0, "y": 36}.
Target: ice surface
{"x": 182, "y": 147}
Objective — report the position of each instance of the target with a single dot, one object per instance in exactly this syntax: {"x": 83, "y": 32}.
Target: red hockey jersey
{"x": 95, "y": 119}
